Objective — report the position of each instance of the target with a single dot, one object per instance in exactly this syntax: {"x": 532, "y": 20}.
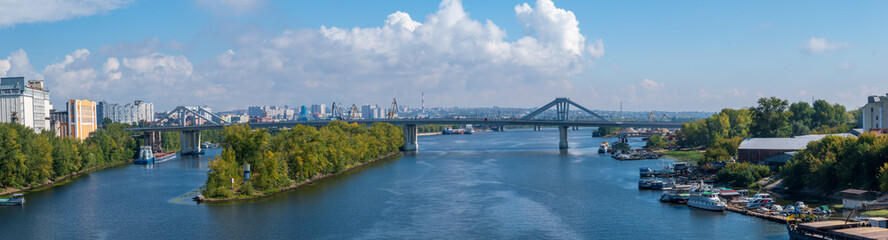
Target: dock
{"x": 836, "y": 230}
{"x": 770, "y": 217}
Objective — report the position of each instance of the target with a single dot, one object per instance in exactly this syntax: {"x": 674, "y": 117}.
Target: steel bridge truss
{"x": 562, "y": 108}
{"x": 181, "y": 113}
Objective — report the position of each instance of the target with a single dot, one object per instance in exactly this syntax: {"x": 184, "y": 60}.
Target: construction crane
{"x": 394, "y": 112}
{"x": 336, "y": 112}
{"x": 654, "y": 118}
{"x": 353, "y": 112}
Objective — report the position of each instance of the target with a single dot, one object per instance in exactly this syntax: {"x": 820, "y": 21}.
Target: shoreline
{"x": 200, "y": 200}
{"x": 61, "y": 180}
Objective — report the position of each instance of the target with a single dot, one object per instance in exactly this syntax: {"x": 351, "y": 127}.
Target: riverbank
{"x": 201, "y": 199}
{"x": 61, "y": 180}
{"x": 428, "y": 134}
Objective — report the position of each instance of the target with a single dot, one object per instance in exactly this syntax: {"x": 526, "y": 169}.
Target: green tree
{"x": 656, "y": 142}
{"x": 12, "y": 159}
{"x": 66, "y": 156}
{"x": 802, "y": 113}
{"x": 222, "y": 169}
{"x": 770, "y": 119}
{"x": 883, "y": 178}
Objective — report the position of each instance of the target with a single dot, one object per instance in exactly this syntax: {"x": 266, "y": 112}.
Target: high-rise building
{"x": 256, "y": 111}
{"x": 81, "y": 118}
{"x": 26, "y": 103}
{"x": 303, "y": 112}
{"x": 129, "y": 113}
{"x": 370, "y": 111}
{"x": 319, "y": 110}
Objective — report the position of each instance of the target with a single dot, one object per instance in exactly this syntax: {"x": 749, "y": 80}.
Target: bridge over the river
{"x": 190, "y": 135}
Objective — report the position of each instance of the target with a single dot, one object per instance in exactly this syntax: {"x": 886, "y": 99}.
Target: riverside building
{"x": 24, "y": 102}
{"x": 873, "y": 113}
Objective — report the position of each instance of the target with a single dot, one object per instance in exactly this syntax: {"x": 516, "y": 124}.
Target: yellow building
{"x": 81, "y": 118}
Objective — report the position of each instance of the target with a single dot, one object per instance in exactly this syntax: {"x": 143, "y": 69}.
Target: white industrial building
{"x": 24, "y": 102}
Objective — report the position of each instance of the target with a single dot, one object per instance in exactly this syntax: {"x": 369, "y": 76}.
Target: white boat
{"x": 677, "y": 194}
{"x": 603, "y": 147}
{"x": 760, "y": 200}
{"x": 16, "y": 199}
{"x": 706, "y": 200}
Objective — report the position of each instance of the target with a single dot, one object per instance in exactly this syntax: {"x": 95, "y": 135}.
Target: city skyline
{"x": 684, "y": 56}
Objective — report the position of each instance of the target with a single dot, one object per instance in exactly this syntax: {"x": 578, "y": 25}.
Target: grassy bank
{"x": 294, "y": 184}
{"x": 686, "y": 156}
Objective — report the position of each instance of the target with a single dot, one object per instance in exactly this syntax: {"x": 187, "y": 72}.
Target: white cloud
{"x": 453, "y": 58}
{"x": 15, "y": 12}
{"x": 819, "y": 45}
{"x": 18, "y": 64}
{"x": 448, "y": 52}
{"x": 156, "y": 77}
{"x": 648, "y": 84}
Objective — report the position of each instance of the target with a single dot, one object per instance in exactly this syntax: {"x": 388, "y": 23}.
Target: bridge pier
{"x": 410, "y": 144}
{"x": 152, "y": 138}
{"x": 562, "y": 132}
{"x": 190, "y": 142}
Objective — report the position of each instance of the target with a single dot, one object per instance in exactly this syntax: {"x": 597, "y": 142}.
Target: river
{"x": 503, "y": 185}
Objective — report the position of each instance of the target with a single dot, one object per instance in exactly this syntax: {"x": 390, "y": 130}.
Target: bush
{"x": 246, "y": 189}
{"x": 742, "y": 174}
{"x": 218, "y": 192}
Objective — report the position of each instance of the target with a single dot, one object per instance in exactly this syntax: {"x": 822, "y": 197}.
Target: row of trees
{"x": 835, "y": 163}
{"x": 28, "y": 158}
{"x": 294, "y": 155}
{"x": 772, "y": 117}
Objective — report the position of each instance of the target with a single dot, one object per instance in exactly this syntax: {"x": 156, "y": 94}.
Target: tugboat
{"x": 16, "y": 199}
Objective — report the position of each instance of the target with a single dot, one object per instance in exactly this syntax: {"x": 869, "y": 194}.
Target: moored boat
{"x": 16, "y": 199}
{"x": 706, "y": 200}
{"x": 677, "y": 194}
{"x": 645, "y": 172}
{"x": 645, "y": 183}
{"x": 760, "y": 200}
{"x": 146, "y": 156}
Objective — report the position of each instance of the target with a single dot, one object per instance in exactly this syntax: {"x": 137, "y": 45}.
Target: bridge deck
{"x": 504, "y": 122}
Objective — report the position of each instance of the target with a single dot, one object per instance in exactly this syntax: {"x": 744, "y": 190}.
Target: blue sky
{"x": 651, "y": 55}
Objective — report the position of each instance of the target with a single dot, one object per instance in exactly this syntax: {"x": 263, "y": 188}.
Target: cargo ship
{"x": 146, "y": 156}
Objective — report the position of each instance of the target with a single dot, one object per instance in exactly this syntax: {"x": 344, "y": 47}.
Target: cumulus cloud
{"x": 819, "y": 45}
{"x": 453, "y": 58}
{"x": 154, "y": 77}
{"x": 17, "y": 64}
{"x": 34, "y": 11}
{"x": 447, "y": 52}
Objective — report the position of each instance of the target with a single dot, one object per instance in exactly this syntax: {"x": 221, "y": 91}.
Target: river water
{"x": 504, "y": 185}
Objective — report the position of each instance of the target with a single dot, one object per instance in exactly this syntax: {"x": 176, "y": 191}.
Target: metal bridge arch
{"x": 562, "y": 106}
